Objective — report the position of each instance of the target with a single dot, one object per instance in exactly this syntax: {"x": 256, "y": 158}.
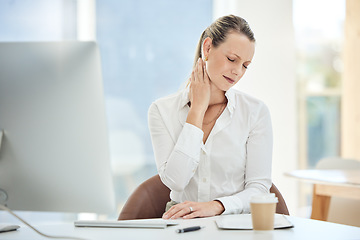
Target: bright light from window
{"x": 318, "y": 18}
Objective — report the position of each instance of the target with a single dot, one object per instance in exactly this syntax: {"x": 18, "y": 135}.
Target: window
{"x": 319, "y": 38}
{"x": 147, "y": 53}
{"x": 319, "y": 34}
{"x": 38, "y": 20}
{"x": 147, "y": 50}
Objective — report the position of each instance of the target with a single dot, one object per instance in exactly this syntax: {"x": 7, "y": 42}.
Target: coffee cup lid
{"x": 264, "y": 198}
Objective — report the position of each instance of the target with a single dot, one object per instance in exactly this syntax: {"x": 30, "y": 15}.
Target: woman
{"x": 212, "y": 143}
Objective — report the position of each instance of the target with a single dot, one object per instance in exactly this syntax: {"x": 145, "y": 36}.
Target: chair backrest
{"x": 150, "y": 198}
{"x": 338, "y": 163}
{"x": 281, "y": 207}
{"x": 147, "y": 201}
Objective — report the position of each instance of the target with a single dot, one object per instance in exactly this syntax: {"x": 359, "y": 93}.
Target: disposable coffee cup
{"x": 263, "y": 208}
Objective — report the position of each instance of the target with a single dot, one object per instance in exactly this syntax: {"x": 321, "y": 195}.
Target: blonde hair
{"x": 219, "y": 29}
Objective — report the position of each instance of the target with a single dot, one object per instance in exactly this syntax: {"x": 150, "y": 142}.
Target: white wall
{"x": 271, "y": 78}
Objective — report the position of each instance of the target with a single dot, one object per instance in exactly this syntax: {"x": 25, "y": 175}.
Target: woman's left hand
{"x": 189, "y": 210}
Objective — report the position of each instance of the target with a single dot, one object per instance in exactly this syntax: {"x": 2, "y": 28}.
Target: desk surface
{"x": 328, "y": 184}
{"x": 333, "y": 177}
{"x": 304, "y": 229}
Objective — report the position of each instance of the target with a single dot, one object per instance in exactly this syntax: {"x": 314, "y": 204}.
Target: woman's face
{"x": 228, "y": 61}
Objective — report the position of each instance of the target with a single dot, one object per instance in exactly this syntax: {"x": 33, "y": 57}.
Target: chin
{"x": 222, "y": 85}
{"x": 225, "y": 87}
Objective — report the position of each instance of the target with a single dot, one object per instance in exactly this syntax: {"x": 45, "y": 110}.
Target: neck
{"x": 217, "y": 96}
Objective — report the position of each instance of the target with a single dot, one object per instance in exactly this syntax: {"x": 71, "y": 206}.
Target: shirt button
{"x": 204, "y": 179}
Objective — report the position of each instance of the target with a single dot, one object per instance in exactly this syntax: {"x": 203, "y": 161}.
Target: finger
{"x": 192, "y": 215}
{"x": 176, "y": 211}
{"x": 184, "y": 211}
{"x": 179, "y": 210}
{"x": 173, "y": 210}
{"x": 197, "y": 71}
{"x": 166, "y": 215}
{"x": 206, "y": 76}
{"x": 204, "y": 65}
{"x": 192, "y": 79}
{"x": 200, "y": 70}
{"x": 190, "y": 93}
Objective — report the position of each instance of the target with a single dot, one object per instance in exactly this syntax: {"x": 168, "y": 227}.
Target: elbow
{"x": 177, "y": 188}
{"x": 177, "y": 185}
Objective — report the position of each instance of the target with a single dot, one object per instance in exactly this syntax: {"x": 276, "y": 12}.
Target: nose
{"x": 237, "y": 70}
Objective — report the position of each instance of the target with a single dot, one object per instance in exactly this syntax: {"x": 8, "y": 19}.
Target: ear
{"x": 207, "y": 44}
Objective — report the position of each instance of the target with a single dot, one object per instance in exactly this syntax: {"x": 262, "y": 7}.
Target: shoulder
{"x": 170, "y": 99}
{"x": 249, "y": 107}
{"x": 170, "y": 102}
{"x": 244, "y": 100}
{"x": 252, "y": 109}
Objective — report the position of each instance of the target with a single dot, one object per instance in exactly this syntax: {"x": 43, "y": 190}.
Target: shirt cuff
{"x": 190, "y": 140}
{"x": 231, "y": 204}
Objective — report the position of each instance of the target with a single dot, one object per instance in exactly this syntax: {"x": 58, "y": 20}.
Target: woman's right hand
{"x": 199, "y": 94}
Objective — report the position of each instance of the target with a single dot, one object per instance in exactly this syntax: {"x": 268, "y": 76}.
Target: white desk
{"x": 304, "y": 229}
{"x": 327, "y": 184}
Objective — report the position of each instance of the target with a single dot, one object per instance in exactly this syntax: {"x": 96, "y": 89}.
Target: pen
{"x": 189, "y": 229}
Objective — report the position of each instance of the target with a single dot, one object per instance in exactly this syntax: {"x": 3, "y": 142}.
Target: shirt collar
{"x": 184, "y": 98}
{"x": 230, "y": 94}
{"x": 183, "y": 107}
{"x": 183, "y": 104}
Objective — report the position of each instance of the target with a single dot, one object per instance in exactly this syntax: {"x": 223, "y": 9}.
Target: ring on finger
{"x": 191, "y": 209}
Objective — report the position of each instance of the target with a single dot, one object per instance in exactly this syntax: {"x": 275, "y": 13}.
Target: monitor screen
{"x": 54, "y": 151}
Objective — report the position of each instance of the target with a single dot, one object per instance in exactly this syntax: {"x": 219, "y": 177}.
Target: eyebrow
{"x": 237, "y": 56}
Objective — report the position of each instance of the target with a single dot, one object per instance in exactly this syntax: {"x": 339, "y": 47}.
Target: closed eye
{"x": 245, "y": 66}
{"x": 231, "y": 60}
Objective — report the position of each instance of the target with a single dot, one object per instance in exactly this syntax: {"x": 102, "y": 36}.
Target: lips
{"x": 231, "y": 81}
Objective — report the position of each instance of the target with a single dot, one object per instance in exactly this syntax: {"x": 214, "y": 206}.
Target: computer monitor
{"x": 54, "y": 153}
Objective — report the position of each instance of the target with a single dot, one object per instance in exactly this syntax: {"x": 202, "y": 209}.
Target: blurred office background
{"x": 147, "y": 49}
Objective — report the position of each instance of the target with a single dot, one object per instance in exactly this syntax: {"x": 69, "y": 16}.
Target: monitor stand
{"x": 1, "y": 136}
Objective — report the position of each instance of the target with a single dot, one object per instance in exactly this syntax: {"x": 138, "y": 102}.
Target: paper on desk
{"x": 244, "y": 222}
{"x": 138, "y": 223}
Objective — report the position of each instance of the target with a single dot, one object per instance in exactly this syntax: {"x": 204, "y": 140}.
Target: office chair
{"x": 150, "y": 198}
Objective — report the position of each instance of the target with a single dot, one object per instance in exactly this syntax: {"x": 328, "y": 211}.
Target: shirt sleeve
{"x": 176, "y": 159}
{"x": 258, "y": 164}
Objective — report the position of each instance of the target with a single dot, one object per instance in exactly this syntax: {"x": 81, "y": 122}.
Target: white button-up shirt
{"x": 232, "y": 165}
